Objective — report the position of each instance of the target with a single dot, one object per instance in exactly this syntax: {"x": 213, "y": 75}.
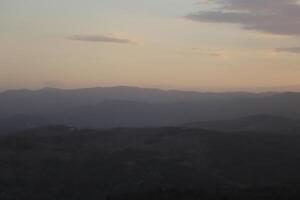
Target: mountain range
{"x": 136, "y": 107}
{"x": 138, "y": 143}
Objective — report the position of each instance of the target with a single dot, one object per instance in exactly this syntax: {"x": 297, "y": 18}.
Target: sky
{"x": 204, "y": 45}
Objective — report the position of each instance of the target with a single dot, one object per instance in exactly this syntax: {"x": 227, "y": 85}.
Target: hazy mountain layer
{"x": 256, "y": 123}
{"x": 135, "y": 107}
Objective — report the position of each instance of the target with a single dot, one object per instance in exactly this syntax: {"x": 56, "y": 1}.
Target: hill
{"x": 256, "y": 123}
{"x": 135, "y": 107}
{"x": 49, "y": 100}
{"x": 61, "y": 162}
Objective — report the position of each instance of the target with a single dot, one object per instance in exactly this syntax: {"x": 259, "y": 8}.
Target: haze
{"x": 213, "y": 45}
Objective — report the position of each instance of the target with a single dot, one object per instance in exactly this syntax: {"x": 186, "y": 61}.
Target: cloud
{"x": 289, "y": 50}
{"x": 206, "y": 52}
{"x": 111, "y": 38}
{"x": 214, "y": 54}
{"x": 281, "y": 17}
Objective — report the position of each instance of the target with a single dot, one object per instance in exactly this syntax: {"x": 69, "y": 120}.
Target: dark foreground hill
{"x": 64, "y": 163}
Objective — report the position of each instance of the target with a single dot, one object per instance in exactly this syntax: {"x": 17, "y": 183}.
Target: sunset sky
{"x": 180, "y": 44}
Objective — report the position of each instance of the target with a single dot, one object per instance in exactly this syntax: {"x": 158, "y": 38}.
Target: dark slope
{"x": 22, "y": 122}
{"x": 269, "y": 123}
{"x": 66, "y": 163}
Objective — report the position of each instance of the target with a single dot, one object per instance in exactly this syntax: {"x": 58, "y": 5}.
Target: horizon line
{"x": 216, "y": 91}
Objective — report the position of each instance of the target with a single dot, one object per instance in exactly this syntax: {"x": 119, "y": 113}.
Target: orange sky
{"x": 183, "y": 44}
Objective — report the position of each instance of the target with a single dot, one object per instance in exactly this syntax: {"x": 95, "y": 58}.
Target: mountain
{"x": 22, "y": 122}
{"x": 256, "y": 123}
{"x": 135, "y": 107}
{"x": 49, "y": 100}
{"x": 61, "y": 162}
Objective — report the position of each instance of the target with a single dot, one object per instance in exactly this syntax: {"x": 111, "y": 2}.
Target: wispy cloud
{"x": 110, "y": 38}
{"x": 214, "y": 54}
{"x": 280, "y": 17}
{"x": 206, "y": 52}
{"x": 289, "y": 50}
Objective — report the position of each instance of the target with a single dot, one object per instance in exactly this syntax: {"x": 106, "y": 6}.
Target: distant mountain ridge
{"x": 109, "y": 107}
{"x": 49, "y": 100}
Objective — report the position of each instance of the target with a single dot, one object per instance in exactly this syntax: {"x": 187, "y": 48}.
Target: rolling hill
{"x": 256, "y": 123}
{"x": 61, "y": 162}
